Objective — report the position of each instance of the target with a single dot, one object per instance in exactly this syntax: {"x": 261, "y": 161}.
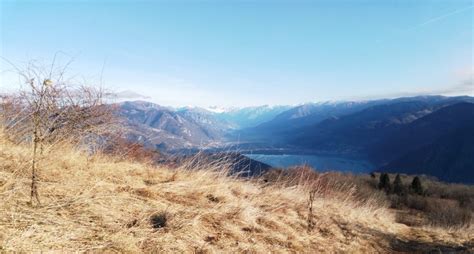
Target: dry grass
{"x": 99, "y": 203}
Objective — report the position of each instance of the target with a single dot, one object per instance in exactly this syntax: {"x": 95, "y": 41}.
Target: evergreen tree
{"x": 384, "y": 182}
{"x": 398, "y": 186}
{"x": 416, "y": 185}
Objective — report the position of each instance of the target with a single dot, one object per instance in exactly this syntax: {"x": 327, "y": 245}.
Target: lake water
{"x": 319, "y": 162}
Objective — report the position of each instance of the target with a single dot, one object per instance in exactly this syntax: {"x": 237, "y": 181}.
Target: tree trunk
{"x": 34, "y": 174}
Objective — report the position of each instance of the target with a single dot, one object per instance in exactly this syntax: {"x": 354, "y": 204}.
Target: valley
{"x": 394, "y": 135}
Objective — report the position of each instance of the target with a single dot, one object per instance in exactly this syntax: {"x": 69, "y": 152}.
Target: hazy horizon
{"x": 218, "y": 108}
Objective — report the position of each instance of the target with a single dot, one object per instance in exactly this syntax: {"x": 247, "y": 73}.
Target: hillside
{"x": 99, "y": 203}
{"x": 361, "y": 130}
{"x": 423, "y": 131}
{"x": 306, "y": 115}
{"x": 304, "y": 122}
{"x": 449, "y": 158}
{"x": 167, "y": 129}
{"x": 354, "y": 132}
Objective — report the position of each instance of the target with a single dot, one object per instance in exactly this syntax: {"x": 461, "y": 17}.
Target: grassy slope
{"x": 100, "y": 203}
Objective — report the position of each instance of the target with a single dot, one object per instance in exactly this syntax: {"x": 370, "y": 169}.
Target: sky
{"x": 244, "y": 53}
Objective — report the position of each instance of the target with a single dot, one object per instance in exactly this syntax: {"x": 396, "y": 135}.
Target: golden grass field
{"x": 98, "y": 203}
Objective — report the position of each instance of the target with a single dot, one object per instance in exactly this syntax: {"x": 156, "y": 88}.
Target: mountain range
{"x": 424, "y": 134}
{"x": 168, "y": 128}
{"x": 165, "y": 128}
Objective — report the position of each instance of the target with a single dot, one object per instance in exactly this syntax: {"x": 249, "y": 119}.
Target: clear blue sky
{"x": 237, "y": 53}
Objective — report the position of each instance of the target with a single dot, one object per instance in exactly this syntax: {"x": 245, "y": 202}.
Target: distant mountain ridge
{"x": 298, "y": 118}
{"x": 238, "y": 118}
{"x": 168, "y": 128}
{"x": 251, "y": 116}
{"x": 164, "y": 128}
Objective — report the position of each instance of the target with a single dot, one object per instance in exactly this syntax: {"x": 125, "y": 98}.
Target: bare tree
{"x": 51, "y": 109}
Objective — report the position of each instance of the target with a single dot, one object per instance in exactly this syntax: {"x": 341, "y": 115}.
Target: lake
{"x": 319, "y": 162}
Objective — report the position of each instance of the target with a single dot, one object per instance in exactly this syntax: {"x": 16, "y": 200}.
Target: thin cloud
{"x": 426, "y": 22}
{"x": 440, "y": 17}
{"x": 464, "y": 88}
{"x": 128, "y": 95}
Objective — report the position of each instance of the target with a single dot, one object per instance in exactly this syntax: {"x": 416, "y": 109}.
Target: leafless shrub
{"x": 48, "y": 110}
{"x": 446, "y": 213}
{"x": 123, "y": 148}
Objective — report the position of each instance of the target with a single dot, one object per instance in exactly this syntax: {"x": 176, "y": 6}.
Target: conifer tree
{"x": 384, "y": 182}
{"x": 416, "y": 186}
{"x": 398, "y": 185}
